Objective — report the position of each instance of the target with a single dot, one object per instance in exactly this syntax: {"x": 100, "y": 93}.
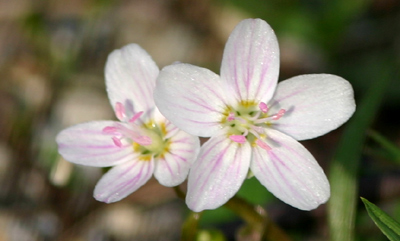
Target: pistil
{"x": 249, "y": 124}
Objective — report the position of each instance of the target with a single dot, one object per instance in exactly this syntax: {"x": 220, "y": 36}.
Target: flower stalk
{"x": 255, "y": 216}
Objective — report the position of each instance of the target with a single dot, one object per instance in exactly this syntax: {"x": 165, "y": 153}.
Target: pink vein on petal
{"x": 217, "y": 162}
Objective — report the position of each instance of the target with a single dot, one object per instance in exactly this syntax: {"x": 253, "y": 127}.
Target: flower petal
{"x": 89, "y": 145}
{"x": 315, "y": 104}
{"x": 192, "y": 98}
{"x": 130, "y": 78}
{"x": 250, "y": 62}
{"x": 218, "y": 173}
{"x": 290, "y": 172}
{"x": 172, "y": 167}
{"x": 122, "y": 180}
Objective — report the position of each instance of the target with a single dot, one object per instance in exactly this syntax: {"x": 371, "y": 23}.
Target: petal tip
{"x": 111, "y": 198}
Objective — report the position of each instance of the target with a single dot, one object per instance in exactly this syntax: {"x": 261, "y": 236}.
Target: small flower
{"x": 254, "y": 123}
{"x": 143, "y": 142}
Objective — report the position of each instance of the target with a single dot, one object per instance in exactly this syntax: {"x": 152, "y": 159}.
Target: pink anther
{"x": 238, "y": 138}
{"x": 110, "y": 129}
{"x": 263, "y": 145}
{"x": 263, "y": 107}
{"x": 231, "y": 117}
{"x": 280, "y": 113}
{"x": 117, "y": 141}
{"x": 136, "y": 116}
{"x": 120, "y": 111}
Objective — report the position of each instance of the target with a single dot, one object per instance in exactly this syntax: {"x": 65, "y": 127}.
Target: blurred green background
{"x": 52, "y": 56}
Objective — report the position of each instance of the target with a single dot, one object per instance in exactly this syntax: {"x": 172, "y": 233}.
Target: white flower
{"x": 143, "y": 142}
{"x": 253, "y": 122}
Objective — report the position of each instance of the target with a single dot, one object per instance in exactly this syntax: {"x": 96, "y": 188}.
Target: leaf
{"x": 388, "y": 226}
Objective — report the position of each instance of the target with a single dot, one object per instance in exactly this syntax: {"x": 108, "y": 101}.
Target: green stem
{"x": 190, "y": 227}
{"x": 179, "y": 192}
{"x": 392, "y": 150}
{"x": 346, "y": 163}
{"x": 257, "y": 217}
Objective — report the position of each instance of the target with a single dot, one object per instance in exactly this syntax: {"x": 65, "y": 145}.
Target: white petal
{"x": 192, "y": 98}
{"x": 130, "y": 77}
{"x": 251, "y": 60}
{"x": 172, "y": 167}
{"x": 88, "y": 145}
{"x": 122, "y": 180}
{"x": 315, "y": 104}
{"x": 290, "y": 172}
{"x": 218, "y": 173}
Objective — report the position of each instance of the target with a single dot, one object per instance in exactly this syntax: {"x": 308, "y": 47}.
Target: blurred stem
{"x": 255, "y": 217}
{"x": 392, "y": 150}
{"x": 179, "y": 192}
{"x": 346, "y": 162}
{"x": 190, "y": 227}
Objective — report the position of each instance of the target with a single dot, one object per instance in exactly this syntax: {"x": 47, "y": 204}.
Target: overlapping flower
{"x": 254, "y": 122}
{"x": 141, "y": 143}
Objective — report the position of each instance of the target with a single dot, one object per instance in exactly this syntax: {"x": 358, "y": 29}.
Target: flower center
{"x": 147, "y": 139}
{"x": 248, "y": 121}
{"x": 158, "y": 146}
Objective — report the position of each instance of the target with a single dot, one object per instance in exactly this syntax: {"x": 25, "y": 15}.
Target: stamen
{"x": 245, "y": 132}
{"x": 255, "y": 117}
{"x": 142, "y": 140}
{"x": 136, "y": 116}
{"x": 258, "y": 129}
{"x": 241, "y": 120}
{"x": 110, "y": 129}
{"x": 263, "y": 145}
{"x": 231, "y": 117}
{"x": 238, "y": 138}
{"x": 117, "y": 141}
{"x": 280, "y": 113}
{"x": 254, "y": 133}
{"x": 120, "y": 111}
{"x": 263, "y": 107}
{"x": 277, "y": 116}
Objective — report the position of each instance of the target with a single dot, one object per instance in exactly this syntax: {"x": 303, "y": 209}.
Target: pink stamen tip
{"x": 231, "y": 117}
{"x": 120, "y": 111}
{"x": 263, "y": 145}
{"x": 143, "y": 140}
{"x": 263, "y": 107}
{"x": 136, "y": 116}
{"x": 117, "y": 141}
{"x": 238, "y": 138}
{"x": 109, "y": 129}
{"x": 280, "y": 113}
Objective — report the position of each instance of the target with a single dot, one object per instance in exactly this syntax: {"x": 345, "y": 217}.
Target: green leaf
{"x": 388, "y": 226}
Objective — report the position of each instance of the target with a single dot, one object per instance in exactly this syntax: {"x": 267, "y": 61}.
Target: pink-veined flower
{"x": 254, "y": 123}
{"x": 141, "y": 143}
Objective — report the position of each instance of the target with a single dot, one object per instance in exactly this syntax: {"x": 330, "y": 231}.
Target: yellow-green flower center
{"x": 156, "y": 132}
{"x": 247, "y": 121}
